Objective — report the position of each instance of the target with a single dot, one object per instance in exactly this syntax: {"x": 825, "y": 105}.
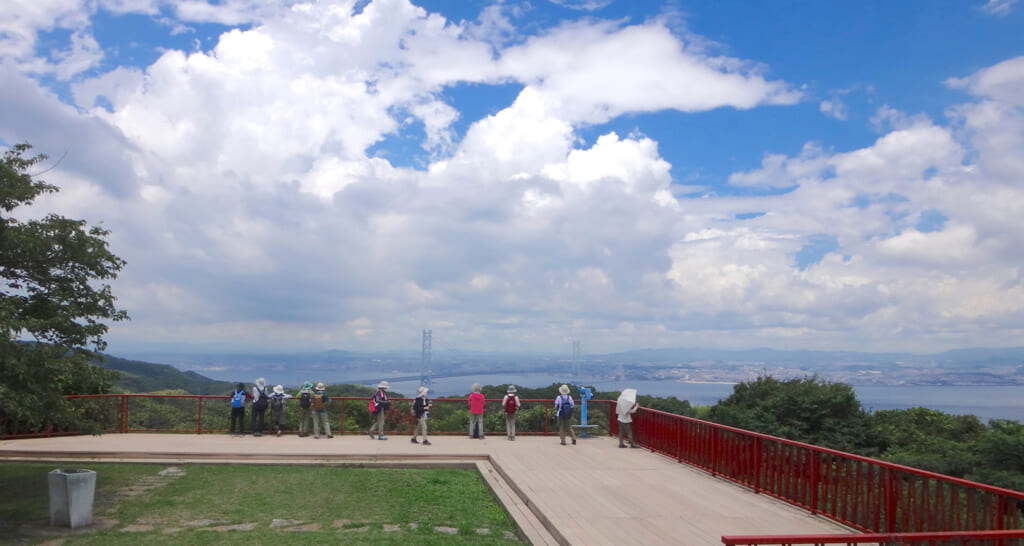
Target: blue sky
{"x": 318, "y": 175}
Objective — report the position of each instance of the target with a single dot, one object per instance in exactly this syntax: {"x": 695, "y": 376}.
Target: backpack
{"x": 510, "y": 405}
{"x": 564, "y": 407}
{"x": 378, "y": 405}
{"x": 238, "y": 399}
{"x": 305, "y": 399}
{"x": 319, "y": 401}
{"x": 261, "y": 399}
{"x": 277, "y": 402}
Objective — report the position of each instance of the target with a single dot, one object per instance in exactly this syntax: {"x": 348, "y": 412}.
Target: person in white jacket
{"x": 260, "y": 401}
{"x": 625, "y": 408}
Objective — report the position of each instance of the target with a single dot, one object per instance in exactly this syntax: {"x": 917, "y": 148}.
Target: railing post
{"x": 546, "y": 408}
{"x": 757, "y": 457}
{"x": 679, "y": 440}
{"x": 890, "y": 500}
{"x": 199, "y": 418}
{"x": 814, "y": 480}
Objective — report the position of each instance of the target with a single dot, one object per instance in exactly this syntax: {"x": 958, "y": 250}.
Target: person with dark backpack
{"x": 379, "y": 406}
{"x": 277, "y": 406}
{"x": 511, "y": 405}
{"x": 238, "y": 398}
{"x": 421, "y": 411}
{"x": 305, "y": 409}
{"x": 564, "y": 408}
{"x": 259, "y": 406}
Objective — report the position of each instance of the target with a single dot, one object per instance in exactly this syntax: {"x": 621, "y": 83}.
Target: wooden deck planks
{"x": 591, "y": 493}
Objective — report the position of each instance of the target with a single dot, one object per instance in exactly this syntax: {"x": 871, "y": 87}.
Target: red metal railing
{"x": 962, "y": 538}
{"x": 866, "y": 494}
{"x": 201, "y": 414}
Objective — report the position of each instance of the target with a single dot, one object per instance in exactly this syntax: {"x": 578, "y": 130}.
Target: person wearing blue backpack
{"x": 238, "y": 398}
{"x": 563, "y": 409}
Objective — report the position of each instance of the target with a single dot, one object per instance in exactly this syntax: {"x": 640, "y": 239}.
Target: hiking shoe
{"x": 415, "y": 442}
{"x": 331, "y": 436}
{"x": 370, "y": 432}
{"x": 316, "y": 437}
{"x": 622, "y": 445}
{"x": 383, "y": 438}
{"x": 563, "y": 442}
{"x": 279, "y": 434}
{"x": 634, "y": 446}
{"x": 426, "y": 442}
{"x": 574, "y": 441}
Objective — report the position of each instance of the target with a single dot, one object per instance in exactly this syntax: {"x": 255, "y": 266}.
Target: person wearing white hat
{"x": 259, "y": 405}
{"x": 421, "y": 411}
{"x": 379, "y": 405}
{"x": 563, "y": 409}
{"x": 277, "y": 406}
{"x": 511, "y": 405}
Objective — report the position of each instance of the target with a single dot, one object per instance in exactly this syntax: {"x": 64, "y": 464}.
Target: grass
{"x": 350, "y": 505}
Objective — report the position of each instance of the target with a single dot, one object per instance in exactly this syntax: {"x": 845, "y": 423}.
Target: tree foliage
{"x": 51, "y": 270}
{"x": 809, "y": 410}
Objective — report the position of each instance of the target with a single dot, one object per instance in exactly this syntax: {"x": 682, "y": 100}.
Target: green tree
{"x": 809, "y": 410}
{"x": 1000, "y": 454}
{"x": 51, "y": 297}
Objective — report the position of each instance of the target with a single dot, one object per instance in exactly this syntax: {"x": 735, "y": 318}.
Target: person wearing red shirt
{"x": 476, "y": 412}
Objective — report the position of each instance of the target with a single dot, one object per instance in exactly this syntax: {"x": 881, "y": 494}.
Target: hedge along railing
{"x": 866, "y": 494}
{"x": 198, "y": 414}
{"x": 956, "y": 538}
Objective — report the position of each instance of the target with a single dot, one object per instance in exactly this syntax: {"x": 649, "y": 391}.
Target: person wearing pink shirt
{"x": 476, "y": 412}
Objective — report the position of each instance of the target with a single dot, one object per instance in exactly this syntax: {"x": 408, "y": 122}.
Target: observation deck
{"x": 590, "y": 493}
{"x": 694, "y": 483}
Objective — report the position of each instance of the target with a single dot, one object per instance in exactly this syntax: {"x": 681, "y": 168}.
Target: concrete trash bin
{"x": 71, "y": 495}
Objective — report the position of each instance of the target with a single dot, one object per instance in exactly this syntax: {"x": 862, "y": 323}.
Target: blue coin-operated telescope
{"x": 585, "y": 394}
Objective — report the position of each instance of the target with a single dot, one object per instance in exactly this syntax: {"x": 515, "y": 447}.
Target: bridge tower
{"x": 425, "y": 372}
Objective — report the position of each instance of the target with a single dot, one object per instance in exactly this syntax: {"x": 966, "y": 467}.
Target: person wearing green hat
{"x": 305, "y": 397}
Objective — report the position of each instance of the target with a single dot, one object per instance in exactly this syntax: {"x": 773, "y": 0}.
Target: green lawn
{"x": 356, "y": 505}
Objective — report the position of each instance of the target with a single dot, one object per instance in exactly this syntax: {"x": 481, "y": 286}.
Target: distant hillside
{"x": 141, "y": 377}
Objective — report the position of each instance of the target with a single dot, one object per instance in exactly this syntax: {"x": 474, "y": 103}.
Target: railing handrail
{"x": 878, "y": 462}
{"x": 293, "y": 397}
{"x": 869, "y": 538}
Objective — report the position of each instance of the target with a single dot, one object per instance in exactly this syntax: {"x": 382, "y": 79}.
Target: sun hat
{"x": 423, "y": 391}
{"x": 260, "y": 382}
{"x": 307, "y": 385}
{"x": 383, "y": 385}
{"x": 279, "y": 389}
{"x": 564, "y": 389}
{"x": 511, "y": 388}
{"x": 320, "y": 386}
